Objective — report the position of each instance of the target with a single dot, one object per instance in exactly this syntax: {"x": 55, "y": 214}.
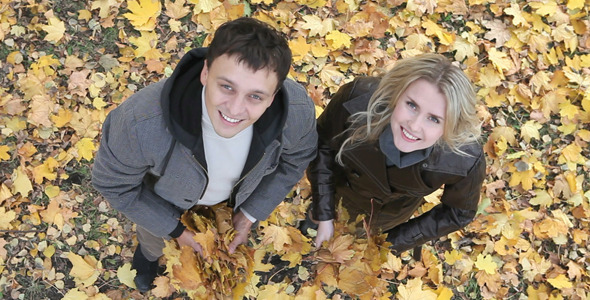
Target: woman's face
{"x": 418, "y": 119}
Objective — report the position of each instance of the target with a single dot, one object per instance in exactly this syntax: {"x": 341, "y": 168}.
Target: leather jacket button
{"x": 424, "y": 165}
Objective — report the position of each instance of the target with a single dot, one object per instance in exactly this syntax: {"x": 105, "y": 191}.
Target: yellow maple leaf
{"x": 85, "y": 149}
{"x": 493, "y": 99}
{"x": 40, "y": 109}
{"x": 6, "y": 217}
{"x": 525, "y": 178}
{"x": 413, "y": 290}
{"x": 418, "y": 41}
{"x": 146, "y": 45}
{"x": 432, "y": 28}
{"x": 206, "y": 6}
{"x": 514, "y": 11}
{"x": 4, "y": 152}
{"x": 84, "y": 270}
{"x": 500, "y": 60}
{"x": 464, "y": 48}
{"x": 45, "y": 170}
{"x": 277, "y": 236}
{"x": 336, "y": 40}
{"x": 55, "y": 30}
{"x": 530, "y": 130}
{"x": 444, "y": 293}
{"x": 21, "y": 183}
{"x": 126, "y": 275}
{"x": 63, "y": 117}
{"x": 104, "y": 6}
{"x": 338, "y": 249}
{"x": 393, "y": 263}
{"x": 453, "y": 256}
{"x": 52, "y": 215}
{"x": 544, "y": 8}
{"x": 299, "y": 47}
{"x": 486, "y": 263}
{"x": 51, "y": 191}
{"x": 560, "y": 282}
{"x": 567, "y": 109}
{"x": 317, "y": 26}
{"x": 143, "y": 14}
{"x": 176, "y": 10}
{"x": 575, "y": 4}
{"x": 84, "y": 14}
{"x": 75, "y": 294}
{"x": 542, "y": 198}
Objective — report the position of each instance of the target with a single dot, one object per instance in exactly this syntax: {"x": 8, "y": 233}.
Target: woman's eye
{"x": 434, "y": 119}
{"x": 411, "y": 105}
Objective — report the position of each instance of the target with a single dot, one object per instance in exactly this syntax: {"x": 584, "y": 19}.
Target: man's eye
{"x": 226, "y": 87}
{"x": 256, "y": 97}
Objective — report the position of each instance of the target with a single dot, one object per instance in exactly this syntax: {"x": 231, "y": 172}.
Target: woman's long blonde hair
{"x": 462, "y": 125}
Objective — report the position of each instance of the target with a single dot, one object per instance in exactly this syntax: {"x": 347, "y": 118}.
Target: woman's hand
{"x": 325, "y": 232}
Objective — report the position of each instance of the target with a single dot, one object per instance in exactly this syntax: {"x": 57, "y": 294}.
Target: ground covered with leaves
{"x": 65, "y": 64}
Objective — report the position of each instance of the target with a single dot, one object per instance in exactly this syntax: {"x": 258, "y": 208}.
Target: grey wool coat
{"x": 142, "y": 139}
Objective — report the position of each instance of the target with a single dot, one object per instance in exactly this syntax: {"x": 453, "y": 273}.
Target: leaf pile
{"x": 64, "y": 65}
{"x": 220, "y": 273}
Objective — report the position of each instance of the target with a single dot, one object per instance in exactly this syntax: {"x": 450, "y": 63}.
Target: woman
{"x": 385, "y": 143}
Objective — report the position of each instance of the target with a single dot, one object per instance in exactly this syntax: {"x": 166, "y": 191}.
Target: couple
{"x": 228, "y": 126}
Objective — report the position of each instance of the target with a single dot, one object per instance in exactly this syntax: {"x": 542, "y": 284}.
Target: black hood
{"x": 181, "y": 106}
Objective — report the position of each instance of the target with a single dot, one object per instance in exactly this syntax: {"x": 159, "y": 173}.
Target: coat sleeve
{"x": 293, "y": 160}
{"x": 330, "y": 123}
{"x": 118, "y": 173}
{"x": 457, "y": 209}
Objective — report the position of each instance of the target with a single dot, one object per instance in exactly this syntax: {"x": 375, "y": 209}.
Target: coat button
{"x": 424, "y": 165}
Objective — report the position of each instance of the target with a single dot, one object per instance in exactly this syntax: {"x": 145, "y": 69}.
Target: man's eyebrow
{"x": 254, "y": 91}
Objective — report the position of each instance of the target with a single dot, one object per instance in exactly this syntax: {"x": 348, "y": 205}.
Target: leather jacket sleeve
{"x": 330, "y": 123}
{"x": 457, "y": 209}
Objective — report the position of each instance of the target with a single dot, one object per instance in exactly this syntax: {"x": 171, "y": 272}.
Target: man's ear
{"x": 204, "y": 73}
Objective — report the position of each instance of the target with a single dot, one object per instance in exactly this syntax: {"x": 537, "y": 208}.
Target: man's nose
{"x": 235, "y": 106}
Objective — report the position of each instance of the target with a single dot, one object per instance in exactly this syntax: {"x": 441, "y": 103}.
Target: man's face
{"x": 236, "y": 96}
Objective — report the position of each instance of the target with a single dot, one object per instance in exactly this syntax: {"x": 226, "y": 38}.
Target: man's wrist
{"x": 178, "y": 230}
{"x": 248, "y": 216}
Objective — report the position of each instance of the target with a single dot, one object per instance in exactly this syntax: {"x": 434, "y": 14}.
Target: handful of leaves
{"x": 216, "y": 274}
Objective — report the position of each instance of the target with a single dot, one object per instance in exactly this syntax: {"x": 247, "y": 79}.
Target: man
{"x": 226, "y": 126}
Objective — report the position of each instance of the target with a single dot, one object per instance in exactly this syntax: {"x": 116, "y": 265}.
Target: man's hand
{"x": 186, "y": 239}
{"x": 242, "y": 226}
{"x": 325, "y": 232}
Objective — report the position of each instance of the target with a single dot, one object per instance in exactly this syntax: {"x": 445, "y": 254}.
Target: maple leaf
{"x": 317, "y": 26}
{"x": 299, "y": 47}
{"x": 500, "y": 60}
{"x": 74, "y": 294}
{"x": 6, "y": 217}
{"x": 338, "y": 249}
{"x": 444, "y": 37}
{"x": 40, "y": 109}
{"x": 55, "y": 30}
{"x": 336, "y": 40}
{"x": 422, "y": 6}
{"x": 205, "y": 6}
{"x": 104, "y": 6}
{"x": 143, "y": 14}
{"x": 530, "y": 130}
{"x": 163, "y": 288}
{"x": 514, "y": 11}
{"x": 126, "y": 275}
{"x": 85, "y": 149}
{"x": 560, "y": 282}
{"x": 146, "y": 45}
{"x": 486, "y": 263}
{"x": 21, "y": 183}
{"x": 45, "y": 170}
{"x": 84, "y": 270}
{"x": 413, "y": 290}
{"x": 542, "y": 198}
{"x": 176, "y": 10}
{"x": 277, "y": 236}
{"x": 4, "y": 152}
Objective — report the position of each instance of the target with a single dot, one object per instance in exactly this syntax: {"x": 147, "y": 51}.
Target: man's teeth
{"x": 230, "y": 119}
{"x": 408, "y": 135}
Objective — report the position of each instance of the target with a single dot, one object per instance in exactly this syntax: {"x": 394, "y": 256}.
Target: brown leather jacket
{"x": 364, "y": 186}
